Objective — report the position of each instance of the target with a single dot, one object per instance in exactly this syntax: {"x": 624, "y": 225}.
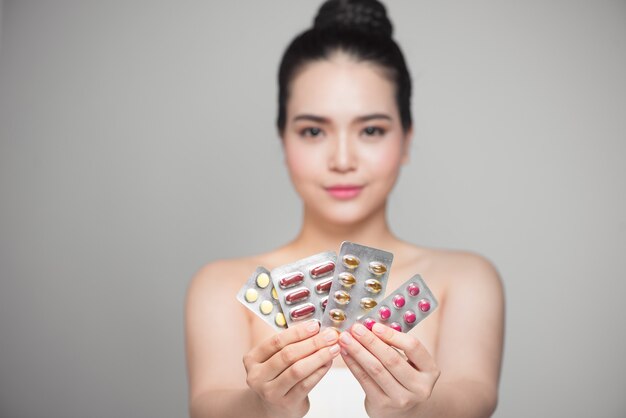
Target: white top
{"x": 338, "y": 394}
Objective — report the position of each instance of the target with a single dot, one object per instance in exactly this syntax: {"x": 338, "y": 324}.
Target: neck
{"x": 317, "y": 234}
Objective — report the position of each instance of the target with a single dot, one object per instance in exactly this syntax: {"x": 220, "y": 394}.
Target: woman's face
{"x": 343, "y": 138}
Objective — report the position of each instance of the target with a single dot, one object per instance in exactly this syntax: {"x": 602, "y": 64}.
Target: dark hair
{"x": 359, "y": 28}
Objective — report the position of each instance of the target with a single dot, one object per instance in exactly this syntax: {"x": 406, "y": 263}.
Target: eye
{"x": 373, "y": 131}
{"x": 310, "y": 132}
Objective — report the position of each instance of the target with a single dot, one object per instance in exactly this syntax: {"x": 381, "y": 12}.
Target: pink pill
{"x": 409, "y": 317}
{"x": 413, "y": 289}
{"x": 291, "y": 280}
{"x": 322, "y": 269}
{"x": 302, "y": 312}
{"x": 424, "y": 305}
{"x": 384, "y": 313}
{"x": 398, "y": 301}
{"x": 369, "y": 323}
{"x": 324, "y": 302}
{"x": 396, "y": 326}
{"x": 324, "y": 287}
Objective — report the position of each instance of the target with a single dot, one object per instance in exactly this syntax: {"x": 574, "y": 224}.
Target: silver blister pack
{"x": 359, "y": 284}
{"x": 258, "y": 295}
{"x": 303, "y": 286}
{"x": 403, "y": 308}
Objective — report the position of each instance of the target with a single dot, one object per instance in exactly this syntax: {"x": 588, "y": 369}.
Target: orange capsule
{"x": 377, "y": 268}
{"x": 373, "y": 286}
{"x": 368, "y": 303}
{"x": 351, "y": 261}
{"x": 342, "y": 297}
{"x": 337, "y": 315}
{"x": 347, "y": 279}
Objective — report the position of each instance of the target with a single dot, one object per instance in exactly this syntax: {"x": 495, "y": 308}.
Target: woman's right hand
{"x": 284, "y": 368}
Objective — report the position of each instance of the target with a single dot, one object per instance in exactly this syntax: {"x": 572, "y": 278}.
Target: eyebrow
{"x": 321, "y": 119}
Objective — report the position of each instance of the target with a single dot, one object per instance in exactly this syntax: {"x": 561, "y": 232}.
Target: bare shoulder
{"x": 223, "y": 274}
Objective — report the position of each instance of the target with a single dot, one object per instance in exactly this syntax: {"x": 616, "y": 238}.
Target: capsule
{"x": 323, "y": 303}
{"x": 368, "y": 303}
{"x": 351, "y": 261}
{"x": 342, "y": 297}
{"x": 251, "y": 295}
{"x": 337, "y": 315}
{"x": 398, "y": 301}
{"x": 373, "y": 286}
{"x": 384, "y": 313}
{"x": 262, "y": 280}
{"x": 424, "y": 305}
{"x": 413, "y": 289}
{"x": 291, "y": 280}
{"x": 409, "y": 317}
{"x": 280, "y": 319}
{"x": 324, "y": 287}
{"x": 322, "y": 270}
{"x": 297, "y": 295}
{"x": 396, "y": 326}
{"x": 302, "y": 312}
{"x": 347, "y": 279}
{"x": 377, "y": 268}
{"x": 266, "y": 307}
{"x": 274, "y": 293}
{"x": 369, "y": 323}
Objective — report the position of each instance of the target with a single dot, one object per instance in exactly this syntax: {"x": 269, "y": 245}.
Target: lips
{"x": 344, "y": 192}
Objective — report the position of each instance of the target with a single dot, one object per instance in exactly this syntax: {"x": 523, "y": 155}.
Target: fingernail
{"x": 378, "y": 328}
{"x": 345, "y": 338}
{"x": 359, "y": 330}
{"x": 313, "y": 325}
{"x": 330, "y": 335}
{"x": 334, "y": 349}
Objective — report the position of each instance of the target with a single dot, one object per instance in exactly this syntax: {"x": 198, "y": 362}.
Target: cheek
{"x": 300, "y": 162}
{"x": 384, "y": 160}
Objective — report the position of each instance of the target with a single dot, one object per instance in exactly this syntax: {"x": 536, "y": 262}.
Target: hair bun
{"x": 367, "y": 16}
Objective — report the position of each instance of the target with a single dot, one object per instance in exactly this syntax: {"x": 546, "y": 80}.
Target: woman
{"x": 345, "y": 125}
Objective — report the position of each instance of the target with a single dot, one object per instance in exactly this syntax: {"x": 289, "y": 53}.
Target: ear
{"x": 406, "y": 146}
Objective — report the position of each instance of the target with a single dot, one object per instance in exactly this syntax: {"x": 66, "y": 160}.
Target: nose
{"x": 342, "y": 155}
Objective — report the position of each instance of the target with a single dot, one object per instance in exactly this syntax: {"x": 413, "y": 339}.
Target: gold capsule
{"x": 337, "y": 315}
{"x": 342, "y": 297}
{"x": 280, "y": 319}
{"x": 373, "y": 286}
{"x": 347, "y": 279}
{"x": 251, "y": 295}
{"x": 351, "y": 261}
{"x": 274, "y": 293}
{"x": 368, "y": 303}
{"x": 266, "y": 307}
{"x": 377, "y": 268}
{"x": 262, "y": 280}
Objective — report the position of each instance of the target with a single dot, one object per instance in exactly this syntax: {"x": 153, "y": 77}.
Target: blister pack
{"x": 259, "y": 295}
{"x": 359, "y": 284}
{"x": 403, "y": 308}
{"x": 303, "y": 286}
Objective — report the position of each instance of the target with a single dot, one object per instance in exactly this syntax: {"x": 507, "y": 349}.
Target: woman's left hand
{"x": 393, "y": 385}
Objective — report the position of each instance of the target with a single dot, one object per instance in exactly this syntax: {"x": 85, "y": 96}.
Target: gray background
{"x": 137, "y": 143}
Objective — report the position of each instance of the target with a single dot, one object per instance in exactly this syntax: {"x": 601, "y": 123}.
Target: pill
{"x": 369, "y": 323}
{"x": 280, "y": 319}
{"x": 297, "y": 295}
{"x": 274, "y": 293}
{"x": 337, "y": 315}
{"x": 409, "y": 317}
{"x": 266, "y": 307}
{"x": 351, "y": 261}
{"x": 377, "y": 268}
{"x": 396, "y": 326}
{"x": 322, "y": 270}
{"x": 398, "y": 301}
{"x": 342, "y": 297}
{"x": 413, "y": 289}
{"x": 384, "y": 312}
{"x": 324, "y": 287}
{"x": 302, "y": 311}
{"x": 291, "y": 280}
{"x": 262, "y": 280}
{"x": 347, "y": 279}
{"x": 424, "y": 305}
{"x": 324, "y": 302}
{"x": 367, "y": 303}
{"x": 251, "y": 295}
{"x": 373, "y": 286}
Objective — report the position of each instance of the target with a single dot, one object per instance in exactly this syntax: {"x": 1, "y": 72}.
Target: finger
{"x": 370, "y": 387}
{"x": 303, "y": 387}
{"x": 303, "y": 368}
{"x": 268, "y": 347}
{"x": 297, "y": 351}
{"x": 374, "y": 368}
{"x": 412, "y": 347}
{"x": 396, "y": 364}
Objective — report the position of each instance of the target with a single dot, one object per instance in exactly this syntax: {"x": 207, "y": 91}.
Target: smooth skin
{"x": 343, "y": 128}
